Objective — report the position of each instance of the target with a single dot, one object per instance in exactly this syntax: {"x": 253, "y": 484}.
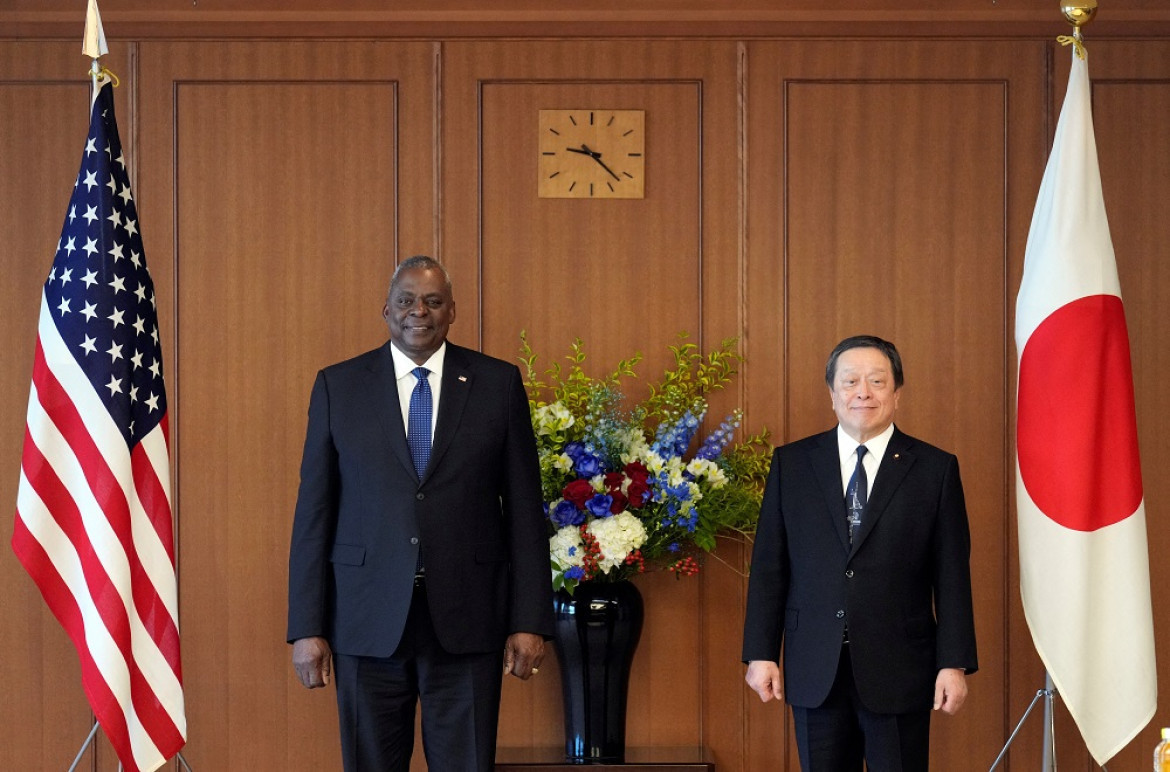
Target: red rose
{"x": 613, "y": 481}
{"x": 638, "y": 493}
{"x": 637, "y": 471}
{"x": 578, "y": 492}
{"x": 619, "y": 502}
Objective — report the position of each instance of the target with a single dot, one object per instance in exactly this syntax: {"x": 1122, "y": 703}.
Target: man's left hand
{"x": 523, "y": 653}
{"x": 950, "y": 690}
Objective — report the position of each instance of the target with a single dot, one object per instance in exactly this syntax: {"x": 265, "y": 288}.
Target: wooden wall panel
{"x": 799, "y": 190}
{"x": 292, "y": 205}
{"x": 242, "y": 19}
{"x": 624, "y": 275}
{"x": 895, "y": 170}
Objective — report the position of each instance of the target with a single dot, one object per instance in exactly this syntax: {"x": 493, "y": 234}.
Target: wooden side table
{"x": 637, "y": 760}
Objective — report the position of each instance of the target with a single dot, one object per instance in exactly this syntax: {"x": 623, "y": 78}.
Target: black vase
{"x": 597, "y": 630}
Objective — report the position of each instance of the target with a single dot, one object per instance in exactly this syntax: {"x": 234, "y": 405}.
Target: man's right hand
{"x": 312, "y": 659}
{"x": 764, "y": 678}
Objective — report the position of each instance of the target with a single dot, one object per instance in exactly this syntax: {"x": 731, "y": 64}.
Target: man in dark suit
{"x": 861, "y": 570}
{"x": 419, "y": 560}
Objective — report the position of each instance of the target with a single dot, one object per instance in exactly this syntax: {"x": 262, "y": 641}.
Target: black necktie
{"x": 857, "y": 493}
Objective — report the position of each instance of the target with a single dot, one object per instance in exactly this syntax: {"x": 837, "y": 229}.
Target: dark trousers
{"x": 841, "y": 734}
{"x": 459, "y": 694}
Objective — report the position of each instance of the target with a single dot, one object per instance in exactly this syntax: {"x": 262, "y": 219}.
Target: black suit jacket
{"x": 903, "y": 588}
{"x": 362, "y": 513}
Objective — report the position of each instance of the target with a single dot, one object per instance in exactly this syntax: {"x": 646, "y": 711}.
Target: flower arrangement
{"x": 620, "y": 490}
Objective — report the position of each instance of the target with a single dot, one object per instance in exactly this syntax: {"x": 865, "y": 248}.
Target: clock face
{"x": 592, "y": 154}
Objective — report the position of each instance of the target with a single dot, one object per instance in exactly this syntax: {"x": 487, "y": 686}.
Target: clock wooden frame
{"x": 591, "y": 153}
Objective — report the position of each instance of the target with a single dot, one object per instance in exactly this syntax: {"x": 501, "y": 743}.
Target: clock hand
{"x": 582, "y": 152}
{"x": 597, "y": 157}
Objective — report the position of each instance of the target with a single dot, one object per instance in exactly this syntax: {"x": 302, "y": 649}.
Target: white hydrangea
{"x": 566, "y": 547}
{"x": 617, "y": 537}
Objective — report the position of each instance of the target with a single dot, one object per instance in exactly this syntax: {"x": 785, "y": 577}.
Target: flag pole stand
{"x": 89, "y": 741}
{"x": 1048, "y": 694}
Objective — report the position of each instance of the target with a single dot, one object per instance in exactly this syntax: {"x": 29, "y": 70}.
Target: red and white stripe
{"x": 93, "y": 529}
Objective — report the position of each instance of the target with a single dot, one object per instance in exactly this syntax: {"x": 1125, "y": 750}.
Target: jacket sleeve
{"x": 955, "y": 642}
{"x": 531, "y": 569}
{"x": 314, "y": 523}
{"x": 768, "y": 583}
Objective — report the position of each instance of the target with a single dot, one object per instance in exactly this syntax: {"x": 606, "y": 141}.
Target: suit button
{"x": 840, "y": 614}
{"x": 420, "y": 496}
{"x": 414, "y": 540}
{"x": 849, "y": 574}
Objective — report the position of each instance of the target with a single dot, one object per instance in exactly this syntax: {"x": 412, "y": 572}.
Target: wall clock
{"x": 592, "y": 154}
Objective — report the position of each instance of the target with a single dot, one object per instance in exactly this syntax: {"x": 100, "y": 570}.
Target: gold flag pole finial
{"x": 1078, "y": 14}
{"x": 94, "y": 45}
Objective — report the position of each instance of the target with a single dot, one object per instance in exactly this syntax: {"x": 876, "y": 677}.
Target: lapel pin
{"x": 463, "y": 378}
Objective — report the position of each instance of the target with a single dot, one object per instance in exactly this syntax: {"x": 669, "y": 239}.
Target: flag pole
{"x": 1048, "y": 694}
{"x": 1078, "y": 13}
{"x": 93, "y": 45}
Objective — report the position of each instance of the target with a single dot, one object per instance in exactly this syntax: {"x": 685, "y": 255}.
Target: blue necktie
{"x": 418, "y": 425}
{"x": 857, "y": 493}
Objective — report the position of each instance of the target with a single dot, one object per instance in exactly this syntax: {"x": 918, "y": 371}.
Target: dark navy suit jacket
{"x": 362, "y": 513}
{"x": 903, "y": 588}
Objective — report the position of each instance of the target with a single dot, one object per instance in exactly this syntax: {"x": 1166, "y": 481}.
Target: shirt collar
{"x": 875, "y": 446}
{"x": 404, "y": 365}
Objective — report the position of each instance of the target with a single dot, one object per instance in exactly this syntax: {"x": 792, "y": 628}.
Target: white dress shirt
{"x": 403, "y": 365}
{"x": 875, "y": 448}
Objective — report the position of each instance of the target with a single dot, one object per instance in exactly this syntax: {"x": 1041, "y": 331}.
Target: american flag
{"x": 93, "y": 511}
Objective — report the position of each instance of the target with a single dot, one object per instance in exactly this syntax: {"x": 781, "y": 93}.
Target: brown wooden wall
{"x": 876, "y": 174}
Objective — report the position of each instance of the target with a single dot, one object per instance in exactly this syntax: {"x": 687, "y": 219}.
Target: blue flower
{"x": 574, "y": 449}
{"x": 564, "y": 513}
{"x": 599, "y": 505}
{"x": 575, "y": 572}
{"x": 718, "y": 440}
{"x": 586, "y": 465}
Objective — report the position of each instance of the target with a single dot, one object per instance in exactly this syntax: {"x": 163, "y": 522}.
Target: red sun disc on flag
{"x": 1076, "y": 431}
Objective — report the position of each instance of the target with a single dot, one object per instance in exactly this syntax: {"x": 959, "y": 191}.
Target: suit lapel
{"x": 389, "y": 410}
{"x": 457, "y": 380}
{"x": 827, "y": 468}
{"x": 895, "y": 465}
